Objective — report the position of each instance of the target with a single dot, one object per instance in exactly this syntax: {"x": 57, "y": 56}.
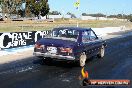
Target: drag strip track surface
{"x": 34, "y": 73}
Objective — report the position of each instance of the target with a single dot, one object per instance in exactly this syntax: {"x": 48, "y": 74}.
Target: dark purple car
{"x": 71, "y": 44}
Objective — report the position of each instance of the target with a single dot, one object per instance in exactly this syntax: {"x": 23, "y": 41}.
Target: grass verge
{"x": 19, "y": 26}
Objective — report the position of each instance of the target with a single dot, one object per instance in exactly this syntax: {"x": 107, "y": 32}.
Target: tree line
{"x": 25, "y": 7}
{"x": 28, "y": 8}
{"x": 119, "y": 16}
{"x": 59, "y": 13}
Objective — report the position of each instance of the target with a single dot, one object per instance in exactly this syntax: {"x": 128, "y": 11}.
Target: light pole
{"x": 23, "y": 7}
{"x": 77, "y": 5}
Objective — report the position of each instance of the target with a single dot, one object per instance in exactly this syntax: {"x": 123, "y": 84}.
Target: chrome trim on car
{"x": 53, "y": 56}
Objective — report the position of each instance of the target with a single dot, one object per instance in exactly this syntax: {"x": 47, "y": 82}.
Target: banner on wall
{"x": 18, "y": 39}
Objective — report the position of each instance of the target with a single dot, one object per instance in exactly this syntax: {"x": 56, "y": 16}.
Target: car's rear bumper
{"x": 54, "y": 56}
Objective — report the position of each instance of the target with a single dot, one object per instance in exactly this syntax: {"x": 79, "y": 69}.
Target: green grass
{"x": 40, "y": 25}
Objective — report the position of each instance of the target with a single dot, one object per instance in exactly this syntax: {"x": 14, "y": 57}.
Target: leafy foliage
{"x": 94, "y": 15}
{"x": 72, "y": 15}
{"x": 54, "y": 13}
{"x": 39, "y": 7}
{"x": 129, "y": 17}
{"x": 119, "y": 16}
{"x": 10, "y": 6}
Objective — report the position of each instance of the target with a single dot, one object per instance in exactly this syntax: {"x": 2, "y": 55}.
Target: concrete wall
{"x": 88, "y": 18}
{"x": 56, "y": 16}
{"x": 100, "y": 18}
{"x": 93, "y": 18}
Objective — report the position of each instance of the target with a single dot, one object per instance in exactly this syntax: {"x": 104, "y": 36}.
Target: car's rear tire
{"x": 101, "y": 52}
{"x": 82, "y": 59}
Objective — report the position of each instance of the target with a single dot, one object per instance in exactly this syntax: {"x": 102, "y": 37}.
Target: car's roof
{"x": 74, "y": 28}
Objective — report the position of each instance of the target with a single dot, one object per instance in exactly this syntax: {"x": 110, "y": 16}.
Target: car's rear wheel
{"x": 101, "y": 52}
{"x": 82, "y": 59}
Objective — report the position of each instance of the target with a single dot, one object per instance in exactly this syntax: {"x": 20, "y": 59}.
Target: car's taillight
{"x": 37, "y": 45}
{"x": 66, "y": 50}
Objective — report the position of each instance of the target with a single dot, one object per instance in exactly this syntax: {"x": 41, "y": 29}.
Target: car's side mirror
{"x": 99, "y": 37}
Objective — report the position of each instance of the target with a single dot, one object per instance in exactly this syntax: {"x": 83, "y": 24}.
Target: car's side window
{"x": 88, "y": 36}
{"x": 85, "y": 37}
{"x": 92, "y": 35}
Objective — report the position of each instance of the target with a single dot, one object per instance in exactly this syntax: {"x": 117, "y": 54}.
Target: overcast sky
{"x": 92, "y": 6}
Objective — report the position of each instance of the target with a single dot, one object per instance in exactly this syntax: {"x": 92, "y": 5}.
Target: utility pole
{"x": 23, "y": 6}
{"x": 123, "y": 16}
{"x": 77, "y": 5}
{"x": 0, "y": 9}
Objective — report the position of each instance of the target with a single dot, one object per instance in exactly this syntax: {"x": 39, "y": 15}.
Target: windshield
{"x": 65, "y": 34}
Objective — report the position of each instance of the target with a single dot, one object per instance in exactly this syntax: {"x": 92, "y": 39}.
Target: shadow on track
{"x": 65, "y": 64}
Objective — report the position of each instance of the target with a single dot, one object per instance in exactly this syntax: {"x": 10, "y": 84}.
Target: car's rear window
{"x": 67, "y": 34}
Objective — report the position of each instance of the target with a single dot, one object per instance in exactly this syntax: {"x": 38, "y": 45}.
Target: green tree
{"x": 54, "y": 13}
{"x": 129, "y": 17}
{"x": 10, "y": 6}
{"x": 84, "y": 14}
{"x": 94, "y": 15}
{"x": 72, "y": 15}
{"x": 97, "y": 15}
{"x": 39, "y": 7}
{"x": 1, "y": 3}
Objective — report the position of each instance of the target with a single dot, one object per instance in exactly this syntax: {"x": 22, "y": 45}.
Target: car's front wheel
{"x": 82, "y": 59}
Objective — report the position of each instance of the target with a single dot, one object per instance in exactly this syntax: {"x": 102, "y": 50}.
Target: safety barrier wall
{"x": 18, "y": 39}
